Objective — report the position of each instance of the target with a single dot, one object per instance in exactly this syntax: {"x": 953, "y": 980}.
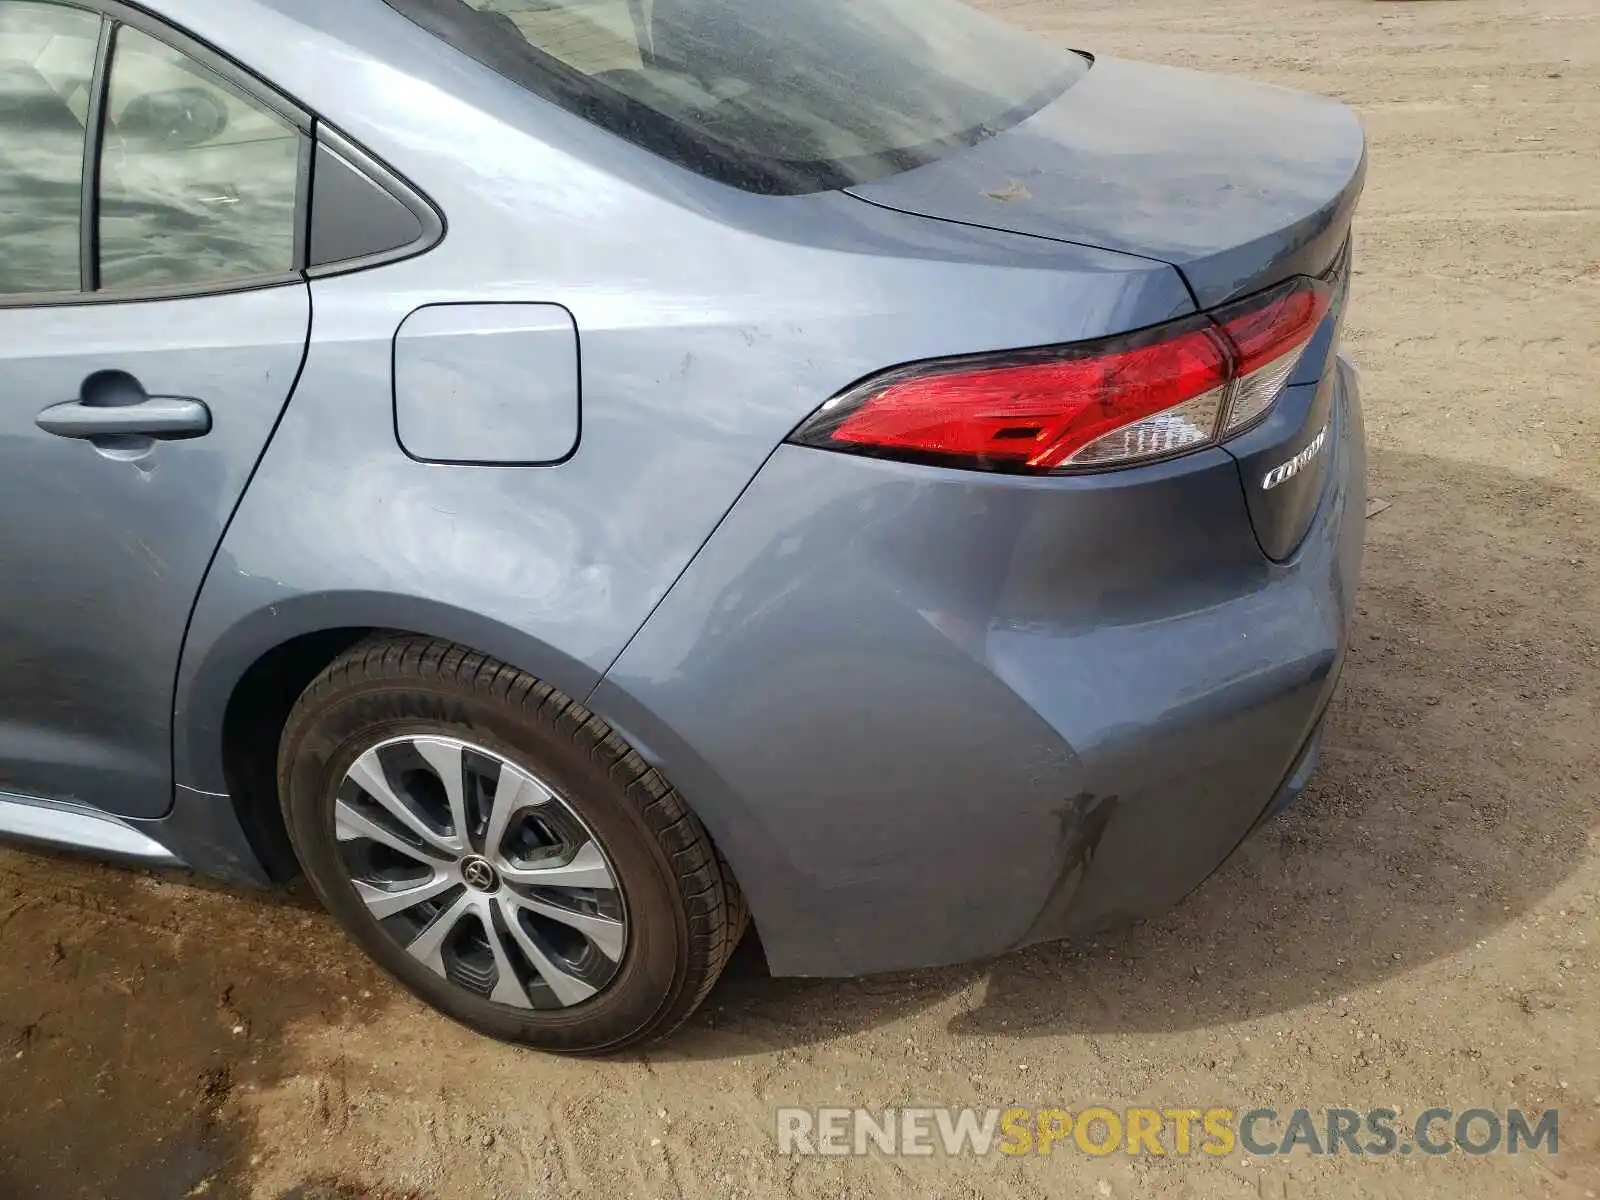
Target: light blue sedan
{"x": 573, "y": 477}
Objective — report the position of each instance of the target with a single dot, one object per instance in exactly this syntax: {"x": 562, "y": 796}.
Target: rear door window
{"x": 47, "y": 57}
{"x": 198, "y": 185}
{"x": 770, "y": 95}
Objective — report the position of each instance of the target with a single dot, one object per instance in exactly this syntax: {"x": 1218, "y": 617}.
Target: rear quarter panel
{"x": 710, "y": 321}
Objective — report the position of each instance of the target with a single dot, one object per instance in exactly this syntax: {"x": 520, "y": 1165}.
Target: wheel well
{"x": 252, "y": 725}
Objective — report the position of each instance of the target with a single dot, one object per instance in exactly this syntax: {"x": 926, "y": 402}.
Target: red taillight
{"x": 1264, "y": 332}
{"x": 1030, "y": 415}
{"x": 1132, "y": 399}
{"x": 1268, "y": 336}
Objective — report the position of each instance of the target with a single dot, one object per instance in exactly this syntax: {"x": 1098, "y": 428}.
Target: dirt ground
{"x": 1424, "y": 929}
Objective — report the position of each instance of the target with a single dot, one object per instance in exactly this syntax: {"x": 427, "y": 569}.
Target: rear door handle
{"x": 114, "y": 404}
{"x": 159, "y": 417}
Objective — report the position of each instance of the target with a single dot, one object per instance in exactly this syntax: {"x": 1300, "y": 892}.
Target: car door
{"x": 153, "y": 319}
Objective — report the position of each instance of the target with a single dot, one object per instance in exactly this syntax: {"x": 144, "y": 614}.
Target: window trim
{"x": 89, "y": 184}
{"x": 381, "y": 174}
{"x": 114, "y": 15}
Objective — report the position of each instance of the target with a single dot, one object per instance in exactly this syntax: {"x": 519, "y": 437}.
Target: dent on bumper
{"x": 932, "y": 715}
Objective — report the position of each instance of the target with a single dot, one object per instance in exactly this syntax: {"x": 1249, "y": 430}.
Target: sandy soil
{"x": 1424, "y": 929}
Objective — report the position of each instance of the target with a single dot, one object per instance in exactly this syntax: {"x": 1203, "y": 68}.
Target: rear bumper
{"x": 933, "y": 715}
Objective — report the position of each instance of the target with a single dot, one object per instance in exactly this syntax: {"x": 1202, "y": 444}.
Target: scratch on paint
{"x": 1013, "y": 192}
{"x": 157, "y": 564}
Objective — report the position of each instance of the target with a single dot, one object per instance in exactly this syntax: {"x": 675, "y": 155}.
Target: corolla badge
{"x": 1286, "y": 472}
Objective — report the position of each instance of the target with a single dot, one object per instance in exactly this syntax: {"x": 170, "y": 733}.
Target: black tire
{"x": 684, "y": 912}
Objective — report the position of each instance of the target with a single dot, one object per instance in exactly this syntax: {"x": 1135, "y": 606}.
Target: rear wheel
{"x": 501, "y": 851}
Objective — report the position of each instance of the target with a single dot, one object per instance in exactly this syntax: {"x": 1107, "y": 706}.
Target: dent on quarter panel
{"x": 684, "y": 396}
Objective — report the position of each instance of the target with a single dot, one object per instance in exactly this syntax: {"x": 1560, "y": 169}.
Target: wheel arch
{"x": 235, "y": 693}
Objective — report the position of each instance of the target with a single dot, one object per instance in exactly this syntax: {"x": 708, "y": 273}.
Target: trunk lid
{"x": 1237, "y": 184}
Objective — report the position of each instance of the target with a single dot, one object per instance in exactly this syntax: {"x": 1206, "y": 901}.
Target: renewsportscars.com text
{"x": 1099, "y": 1130}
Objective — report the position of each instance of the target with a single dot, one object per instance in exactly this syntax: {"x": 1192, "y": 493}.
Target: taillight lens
{"x": 1131, "y": 399}
{"x": 1268, "y": 340}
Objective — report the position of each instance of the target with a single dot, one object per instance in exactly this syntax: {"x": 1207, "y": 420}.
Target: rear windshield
{"x": 778, "y": 96}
